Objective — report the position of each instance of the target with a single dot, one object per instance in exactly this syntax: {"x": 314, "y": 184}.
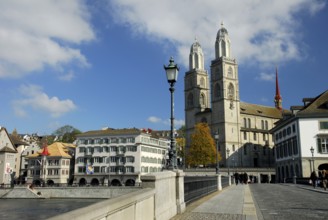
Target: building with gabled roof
{"x": 53, "y": 164}
{"x": 7, "y": 158}
{"x": 302, "y": 129}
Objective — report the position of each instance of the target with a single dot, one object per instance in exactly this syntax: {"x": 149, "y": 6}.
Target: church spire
{"x": 277, "y": 98}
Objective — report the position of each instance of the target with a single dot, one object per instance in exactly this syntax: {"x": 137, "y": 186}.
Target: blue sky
{"x": 94, "y": 64}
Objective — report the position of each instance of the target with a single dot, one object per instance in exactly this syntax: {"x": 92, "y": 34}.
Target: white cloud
{"x": 36, "y": 99}
{"x": 156, "y": 120}
{"x": 262, "y": 32}
{"x": 38, "y": 33}
{"x": 67, "y": 77}
{"x": 266, "y": 77}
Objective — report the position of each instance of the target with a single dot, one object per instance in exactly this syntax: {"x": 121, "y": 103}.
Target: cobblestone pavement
{"x": 233, "y": 203}
{"x": 283, "y": 201}
{"x": 268, "y": 201}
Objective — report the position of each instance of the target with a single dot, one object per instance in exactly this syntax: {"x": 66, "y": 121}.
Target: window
{"x": 230, "y": 72}
{"x": 217, "y": 92}
{"x": 262, "y": 124}
{"x": 266, "y": 125}
{"x": 202, "y": 99}
{"x": 254, "y": 136}
{"x": 323, "y": 125}
{"x": 190, "y": 102}
{"x": 245, "y": 123}
{"x": 231, "y": 91}
{"x": 202, "y": 82}
{"x": 323, "y": 144}
{"x": 249, "y": 123}
{"x": 245, "y": 135}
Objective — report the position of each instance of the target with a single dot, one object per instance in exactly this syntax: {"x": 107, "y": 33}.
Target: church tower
{"x": 277, "y": 98}
{"x": 225, "y": 96}
{"x": 197, "y": 88}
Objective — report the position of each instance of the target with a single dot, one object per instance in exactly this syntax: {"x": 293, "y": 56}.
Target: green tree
{"x": 66, "y": 133}
{"x": 202, "y": 150}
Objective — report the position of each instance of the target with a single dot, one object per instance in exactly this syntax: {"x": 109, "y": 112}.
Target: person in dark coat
{"x": 236, "y": 178}
{"x": 313, "y": 178}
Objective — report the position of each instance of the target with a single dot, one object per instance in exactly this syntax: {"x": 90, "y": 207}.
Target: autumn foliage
{"x": 202, "y": 150}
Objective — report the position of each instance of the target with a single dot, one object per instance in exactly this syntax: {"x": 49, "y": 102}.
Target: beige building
{"x": 243, "y": 128}
{"x": 52, "y": 165}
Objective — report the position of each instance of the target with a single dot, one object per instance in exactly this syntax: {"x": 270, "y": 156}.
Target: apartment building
{"x": 118, "y": 156}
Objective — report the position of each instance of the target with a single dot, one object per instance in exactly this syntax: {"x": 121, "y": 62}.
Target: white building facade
{"x": 118, "y": 156}
{"x": 304, "y": 128}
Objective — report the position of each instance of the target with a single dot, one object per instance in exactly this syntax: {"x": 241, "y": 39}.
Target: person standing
{"x": 236, "y": 178}
{"x": 313, "y": 178}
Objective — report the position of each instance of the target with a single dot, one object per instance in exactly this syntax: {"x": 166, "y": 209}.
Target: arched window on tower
{"x": 231, "y": 91}
{"x": 230, "y": 72}
{"x": 190, "y": 102}
{"x": 245, "y": 123}
{"x": 217, "y": 90}
{"x": 202, "y": 99}
{"x": 223, "y": 48}
{"x": 202, "y": 82}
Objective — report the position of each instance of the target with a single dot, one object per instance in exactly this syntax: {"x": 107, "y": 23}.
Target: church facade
{"x": 243, "y": 128}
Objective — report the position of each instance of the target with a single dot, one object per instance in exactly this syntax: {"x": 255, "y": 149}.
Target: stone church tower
{"x": 243, "y": 128}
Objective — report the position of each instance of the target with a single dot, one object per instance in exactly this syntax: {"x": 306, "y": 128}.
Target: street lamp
{"x": 312, "y": 151}
{"x": 228, "y": 152}
{"x": 216, "y": 137}
{"x": 294, "y": 176}
{"x": 172, "y": 71}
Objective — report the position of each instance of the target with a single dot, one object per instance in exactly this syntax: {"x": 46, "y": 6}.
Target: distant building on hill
{"x": 118, "y": 156}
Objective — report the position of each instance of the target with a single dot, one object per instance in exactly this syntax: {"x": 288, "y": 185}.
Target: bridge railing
{"x": 196, "y": 187}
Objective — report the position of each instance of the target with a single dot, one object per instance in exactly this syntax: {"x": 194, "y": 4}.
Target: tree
{"x": 67, "y": 133}
{"x": 202, "y": 150}
{"x": 15, "y": 133}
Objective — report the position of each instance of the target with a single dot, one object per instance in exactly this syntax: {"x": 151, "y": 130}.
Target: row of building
{"x": 103, "y": 157}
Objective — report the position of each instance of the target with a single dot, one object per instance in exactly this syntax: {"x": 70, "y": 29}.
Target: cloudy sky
{"x": 94, "y": 64}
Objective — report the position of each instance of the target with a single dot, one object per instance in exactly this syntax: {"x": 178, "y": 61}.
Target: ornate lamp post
{"x": 228, "y": 152}
{"x": 312, "y": 165}
{"x": 216, "y": 137}
{"x": 294, "y": 173}
{"x": 172, "y": 71}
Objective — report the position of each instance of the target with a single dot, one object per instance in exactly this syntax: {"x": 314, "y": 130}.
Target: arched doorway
{"x": 37, "y": 182}
{"x": 116, "y": 182}
{"x": 50, "y": 183}
{"x": 130, "y": 182}
{"x": 323, "y": 166}
{"x": 82, "y": 182}
{"x": 94, "y": 182}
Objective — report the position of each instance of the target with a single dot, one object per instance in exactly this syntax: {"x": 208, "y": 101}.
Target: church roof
{"x": 260, "y": 110}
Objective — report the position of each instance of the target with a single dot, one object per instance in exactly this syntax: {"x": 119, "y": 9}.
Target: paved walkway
{"x": 234, "y": 202}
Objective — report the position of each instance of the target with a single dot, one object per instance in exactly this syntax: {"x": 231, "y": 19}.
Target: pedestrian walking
{"x": 236, "y": 178}
{"x": 324, "y": 179}
{"x": 313, "y": 178}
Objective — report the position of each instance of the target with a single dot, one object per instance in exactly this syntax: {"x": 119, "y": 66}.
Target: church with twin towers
{"x": 243, "y": 128}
